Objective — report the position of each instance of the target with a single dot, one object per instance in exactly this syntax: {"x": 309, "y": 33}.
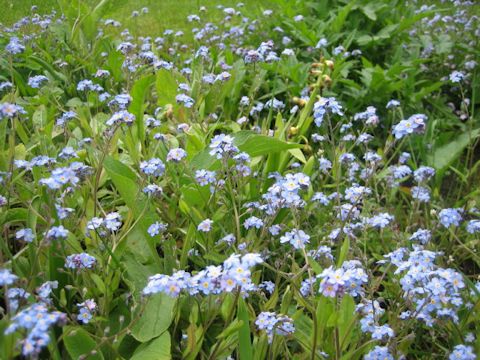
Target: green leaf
{"x": 155, "y": 319}
{"x": 49, "y": 68}
{"x": 297, "y": 153}
{"x": 255, "y": 145}
{"x": 443, "y": 156}
{"x": 157, "y": 349}
{"x": 346, "y": 318}
{"x": 248, "y": 141}
{"x": 79, "y": 343}
{"x": 245, "y": 345}
{"x": 125, "y": 182}
{"x": 370, "y": 11}
{"x": 166, "y": 86}
{"x": 338, "y": 22}
{"x": 124, "y": 179}
{"x": 344, "y": 251}
{"x": 138, "y": 93}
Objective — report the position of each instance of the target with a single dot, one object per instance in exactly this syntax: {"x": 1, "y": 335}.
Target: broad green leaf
{"x": 49, "y": 68}
{"x": 156, "y": 349}
{"x": 370, "y": 11}
{"x": 80, "y": 344}
{"x": 443, "y": 156}
{"x": 257, "y": 145}
{"x": 125, "y": 182}
{"x": 303, "y": 330}
{"x": 297, "y": 153}
{"x": 245, "y": 344}
{"x": 251, "y": 143}
{"x": 344, "y": 251}
{"x": 124, "y": 179}
{"x": 346, "y": 321}
{"x": 155, "y": 319}
{"x": 138, "y": 93}
{"x": 166, "y": 86}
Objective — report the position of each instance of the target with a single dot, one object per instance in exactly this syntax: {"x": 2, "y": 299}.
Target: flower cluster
{"x": 121, "y": 117}
{"x": 296, "y": 238}
{"x": 8, "y": 110}
{"x": 414, "y": 124}
{"x": 274, "y": 324}
{"x": 325, "y": 106}
{"x": 80, "y": 261}
{"x": 284, "y": 193}
{"x": 62, "y": 176}
{"x": 154, "y": 167}
{"x": 348, "y": 279}
{"x": 111, "y": 223}
{"x": 371, "y": 313}
{"x": 222, "y": 146}
{"x": 87, "y": 309}
{"x": 435, "y": 292}
{"x": 36, "y": 320}
{"x": 233, "y": 274}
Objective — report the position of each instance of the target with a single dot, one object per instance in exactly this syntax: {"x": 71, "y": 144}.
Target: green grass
{"x": 162, "y": 13}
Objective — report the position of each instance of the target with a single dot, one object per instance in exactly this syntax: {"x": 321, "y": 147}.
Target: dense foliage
{"x": 297, "y": 182}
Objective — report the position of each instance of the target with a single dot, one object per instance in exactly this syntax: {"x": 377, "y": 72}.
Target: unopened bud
{"x": 327, "y": 80}
{"x": 299, "y": 101}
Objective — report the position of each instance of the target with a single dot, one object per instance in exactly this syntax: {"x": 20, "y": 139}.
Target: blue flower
{"x": 462, "y": 352}
{"x": 205, "y": 177}
{"x": 423, "y": 173}
{"x": 253, "y": 221}
{"x": 450, "y": 216}
{"x": 88, "y": 85}
{"x": 154, "y": 167}
{"x": 112, "y": 221}
{"x": 379, "y": 353}
{"x": 6, "y": 277}
{"x": 456, "y": 77}
{"x": 323, "y": 106}
{"x": 473, "y": 226}
{"x": 66, "y": 117}
{"x": 297, "y": 238}
{"x": 156, "y": 228}
{"x": 121, "y": 117}
{"x": 186, "y": 100}
{"x": 25, "y": 234}
{"x": 57, "y": 232}
{"x": 205, "y": 225}
{"x": 325, "y": 164}
{"x": 176, "y": 155}
{"x": 9, "y": 111}
{"x": 87, "y": 308}
{"x": 5, "y": 85}
{"x": 393, "y": 104}
{"x": 414, "y": 124}
{"x": 380, "y": 221}
{"x": 37, "y": 81}
{"x": 222, "y": 146}
{"x": 15, "y": 46}
{"x": 422, "y": 236}
{"x": 36, "y": 320}
{"x": 420, "y": 193}
{"x": 273, "y": 323}
{"x": 80, "y": 261}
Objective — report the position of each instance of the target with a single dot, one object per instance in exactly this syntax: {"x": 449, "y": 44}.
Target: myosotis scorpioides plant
{"x": 188, "y": 201}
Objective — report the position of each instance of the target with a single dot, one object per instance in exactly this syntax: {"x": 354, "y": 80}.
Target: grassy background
{"x": 162, "y": 13}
